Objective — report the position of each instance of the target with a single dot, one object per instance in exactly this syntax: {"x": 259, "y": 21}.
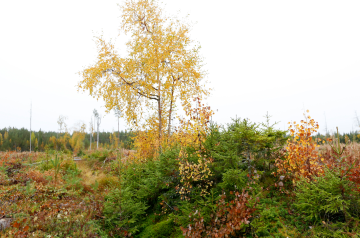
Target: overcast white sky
{"x": 275, "y": 56}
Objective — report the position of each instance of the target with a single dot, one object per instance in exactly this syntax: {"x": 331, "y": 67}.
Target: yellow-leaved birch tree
{"x": 162, "y": 68}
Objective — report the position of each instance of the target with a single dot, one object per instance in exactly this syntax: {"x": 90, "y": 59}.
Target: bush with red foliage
{"x": 229, "y": 218}
{"x": 343, "y": 157}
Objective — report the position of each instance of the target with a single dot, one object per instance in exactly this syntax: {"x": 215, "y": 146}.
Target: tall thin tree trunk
{"x": 160, "y": 124}
{"x": 94, "y": 128}
{"x": 118, "y": 130}
{"x": 30, "y": 125}
{"x": 91, "y": 130}
{"x": 159, "y": 110}
{"x": 170, "y": 113}
{"x": 97, "y": 143}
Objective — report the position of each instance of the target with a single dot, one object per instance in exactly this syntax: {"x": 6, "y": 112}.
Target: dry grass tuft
{"x": 88, "y": 175}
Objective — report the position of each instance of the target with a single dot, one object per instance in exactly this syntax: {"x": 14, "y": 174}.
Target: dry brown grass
{"x": 351, "y": 149}
{"x": 88, "y": 175}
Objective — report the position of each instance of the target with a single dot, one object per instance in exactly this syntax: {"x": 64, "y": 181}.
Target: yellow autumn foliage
{"x": 191, "y": 173}
{"x": 163, "y": 70}
{"x": 77, "y": 138}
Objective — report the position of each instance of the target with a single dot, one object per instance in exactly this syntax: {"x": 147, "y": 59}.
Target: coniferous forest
{"x": 13, "y": 139}
{"x": 176, "y": 172}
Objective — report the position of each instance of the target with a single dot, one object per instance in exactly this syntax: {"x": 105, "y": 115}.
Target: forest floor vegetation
{"x": 242, "y": 180}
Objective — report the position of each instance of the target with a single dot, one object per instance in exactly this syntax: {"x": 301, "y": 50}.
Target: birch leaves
{"x": 161, "y": 69}
{"x": 303, "y": 158}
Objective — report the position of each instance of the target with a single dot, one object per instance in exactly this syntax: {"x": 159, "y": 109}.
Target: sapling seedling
{"x": 96, "y": 185}
{"x": 119, "y": 165}
{"x": 72, "y": 176}
{"x": 3, "y": 169}
{"x": 56, "y": 164}
{"x": 29, "y": 190}
{"x": 119, "y": 168}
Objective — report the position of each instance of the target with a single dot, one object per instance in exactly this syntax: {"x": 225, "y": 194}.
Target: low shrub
{"x": 325, "y": 198}
{"x": 108, "y": 182}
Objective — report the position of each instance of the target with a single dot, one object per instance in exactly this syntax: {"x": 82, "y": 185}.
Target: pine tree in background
{"x": 19, "y": 139}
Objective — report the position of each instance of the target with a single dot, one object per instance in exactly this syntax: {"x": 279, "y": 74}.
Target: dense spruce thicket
{"x": 196, "y": 186}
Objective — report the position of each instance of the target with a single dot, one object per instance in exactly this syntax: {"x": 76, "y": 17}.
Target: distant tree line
{"x": 353, "y": 136}
{"x": 19, "y": 140}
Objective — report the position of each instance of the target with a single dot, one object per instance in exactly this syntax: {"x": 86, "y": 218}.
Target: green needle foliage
{"x": 56, "y": 164}
{"x": 324, "y": 199}
{"x": 149, "y": 192}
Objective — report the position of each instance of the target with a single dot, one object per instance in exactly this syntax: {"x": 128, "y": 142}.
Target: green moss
{"x": 161, "y": 229}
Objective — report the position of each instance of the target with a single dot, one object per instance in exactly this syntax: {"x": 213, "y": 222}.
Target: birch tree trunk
{"x": 170, "y": 113}
{"x": 97, "y": 143}
{"x": 159, "y": 109}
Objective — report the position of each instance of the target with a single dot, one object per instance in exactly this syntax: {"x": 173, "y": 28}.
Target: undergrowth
{"x": 241, "y": 180}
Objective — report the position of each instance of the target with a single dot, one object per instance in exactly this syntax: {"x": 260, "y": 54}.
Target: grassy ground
{"x": 53, "y": 195}
{"x": 39, "y": 205}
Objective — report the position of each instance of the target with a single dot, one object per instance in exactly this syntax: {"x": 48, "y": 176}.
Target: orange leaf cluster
{"x": 302, "y": 158}
{"x": 22, "y": 231}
